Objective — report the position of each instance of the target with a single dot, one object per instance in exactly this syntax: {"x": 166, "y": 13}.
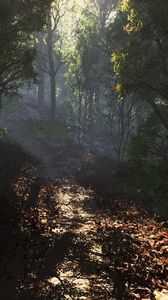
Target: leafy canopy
{"x": 19, "y": 19}
{"x": 140, "y": 62}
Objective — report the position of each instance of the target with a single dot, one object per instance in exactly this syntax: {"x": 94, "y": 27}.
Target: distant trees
{"x": 91, "y": 78}
{"x": 114, "y": 78}
{"x": 88, "y": 66}
{"x": 115, "y": 62}
{"x": 83, "y": 74}
{"x": 53, "y": 57}
{"x": 50, "y": 52}
{"x": 18, "y": 20}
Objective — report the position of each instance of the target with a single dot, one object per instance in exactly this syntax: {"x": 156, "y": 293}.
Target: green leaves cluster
{"x": 118, "y": 61}
{"x": 3, "y": 131}
{"x": 84, "y": 60}
{"x": 134, "y": 23}
{"x": 140, "y": 61}
{"x": 18, "y": 21}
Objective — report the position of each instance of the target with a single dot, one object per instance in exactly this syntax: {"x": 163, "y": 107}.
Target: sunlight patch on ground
{"x": 81, "y": 283}
{"x": 96, "y": 252}
{"x": 71, "y": 205}
{"x": 75, "y": 218}
{"x": 54, "y": 281}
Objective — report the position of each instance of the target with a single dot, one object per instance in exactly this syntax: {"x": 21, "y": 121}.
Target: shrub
{"x": 148, "y": 160}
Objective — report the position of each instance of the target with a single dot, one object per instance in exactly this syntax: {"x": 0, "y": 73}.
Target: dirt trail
{"x": 97, "y": 254}
{"x": 58, "y": 244}
{"x": 77, "y": 216}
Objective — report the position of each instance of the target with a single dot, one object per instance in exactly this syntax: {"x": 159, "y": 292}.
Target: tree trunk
{"x": 0, "y": 104}
{"x": 41, "y": 92}
{"x": 51, "y": 70}
{"x": 90, "y": 111}
{"x": 41, "y": 81}
{"x": 80, "y": 116}
{"x": 53, "y": 98}
{"x": 158, "y": 113}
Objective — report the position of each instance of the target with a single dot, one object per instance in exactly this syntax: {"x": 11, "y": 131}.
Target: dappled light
{"x": 63, "y": 245}
{"x": 83, "y": 150}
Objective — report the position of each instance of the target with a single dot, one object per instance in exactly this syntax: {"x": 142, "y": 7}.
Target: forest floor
{"x": 74, "y": 237}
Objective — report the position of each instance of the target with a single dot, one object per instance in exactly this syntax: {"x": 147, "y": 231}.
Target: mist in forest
{"x": 83, "y": 149}
{"x": 72, "y": 103}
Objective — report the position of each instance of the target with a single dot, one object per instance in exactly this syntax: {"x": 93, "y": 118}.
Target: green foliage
{"x": 12, "y": 105}
{"x": 89, "y": 73}
{"x": 18, "y": 21}
{"x": 134, "y": 23}
{"x": 139, "y": 50}
{"x": 3, "y": 131}
{"x": 118, "y": 60}
{"x": 44, "y": 128}
{"x": 66, "y": 111}
{"x": 151, "y": 141}
{"x": 125, "y": 5}
{"x": 142, "y": 70}
{"x": 83, "y": 61}
{"x": 148, "y": 183}
{"x": 148, "y": 159}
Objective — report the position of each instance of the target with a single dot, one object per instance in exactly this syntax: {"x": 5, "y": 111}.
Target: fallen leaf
{"x": 163, "y": 295}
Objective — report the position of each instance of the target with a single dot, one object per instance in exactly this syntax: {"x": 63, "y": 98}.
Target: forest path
{"x": 77, "y": 216}
{"x": 57, "y": 243}
{"x": 117, "y": 253}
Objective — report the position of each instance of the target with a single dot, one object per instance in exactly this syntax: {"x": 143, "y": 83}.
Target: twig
{"x": 65, "y": 288}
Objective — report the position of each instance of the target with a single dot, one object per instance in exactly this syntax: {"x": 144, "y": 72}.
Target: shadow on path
{"x": 57, "y": 243}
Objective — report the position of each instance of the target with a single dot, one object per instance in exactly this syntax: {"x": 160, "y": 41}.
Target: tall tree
{"x": 51, "y": 52}
{"x": 41, "y": 74}
{"x": 141, "y": 61}
{"x": 18, "y": 20}
{"x": 85, "y": 68}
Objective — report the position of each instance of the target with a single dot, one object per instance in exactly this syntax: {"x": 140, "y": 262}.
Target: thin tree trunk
{"x": 53, "y": 98}
{"x": 0, "y": 104}
{"x": 79, "y": 116}
{"x": 41, "y": 92}
{"x": 52, "y": 71}
{"x": 41, "y": 81}
{"x": 90, "y": 112}
{"x": 158, "y": 113}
